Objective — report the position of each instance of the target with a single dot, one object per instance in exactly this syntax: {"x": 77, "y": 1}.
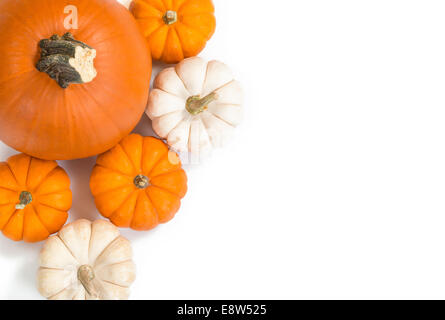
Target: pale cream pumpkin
{"x": 86, "y": 261}
{"x": 195, "y": 105}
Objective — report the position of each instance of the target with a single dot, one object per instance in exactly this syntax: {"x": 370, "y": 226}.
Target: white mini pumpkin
{"x": 86, "y": 261}
{"x": 195, "y": 105}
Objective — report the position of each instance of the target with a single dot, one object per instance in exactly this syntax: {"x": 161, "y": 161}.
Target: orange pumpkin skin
{"x": 139, "y": 183}
{"x": 40, "y": 118}
{"x": 175, "y": 29}
{"x": 49, "y": 186}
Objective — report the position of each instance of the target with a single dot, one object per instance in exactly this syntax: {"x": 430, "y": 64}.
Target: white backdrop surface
{"x": 334, "y": 186}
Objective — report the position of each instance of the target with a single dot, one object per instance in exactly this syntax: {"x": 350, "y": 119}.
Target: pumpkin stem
{"x": 195, "y": 105}
{"x": 25, "y": 198}
{"x": 67, "y": 60}
{"x": 170, "y": 17}
{"x": 141, "y": 181}
{"x": 86, "y": 275}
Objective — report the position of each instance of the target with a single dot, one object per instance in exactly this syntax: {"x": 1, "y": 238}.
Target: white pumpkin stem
{"x": 86, "y": 275}
{"x": 25, "y": 198}
{"x": 195, "y": 104}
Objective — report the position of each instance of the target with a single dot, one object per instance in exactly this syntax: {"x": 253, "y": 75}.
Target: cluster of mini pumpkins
{"x": 74, "y": 83}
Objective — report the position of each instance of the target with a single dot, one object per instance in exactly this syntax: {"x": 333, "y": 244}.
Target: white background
{"x": 335, "y": 184}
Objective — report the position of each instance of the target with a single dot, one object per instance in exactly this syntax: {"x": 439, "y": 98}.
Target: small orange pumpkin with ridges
{"x": 35, "y": 196}
{"x": 175, "y": 29}
{"x": 139, "y": 183}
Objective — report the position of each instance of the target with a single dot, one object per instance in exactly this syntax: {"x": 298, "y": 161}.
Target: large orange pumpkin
{"x": 175, "y": 29}
{"x": 70, "y": 95}
{"x": 35, "y": 196}
{"x": 139, "y": 183}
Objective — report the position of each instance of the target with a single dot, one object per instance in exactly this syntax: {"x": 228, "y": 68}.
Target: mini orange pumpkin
{"x": 139, "y": 183}
{"x": 35, "y": 196}
{"x": 175, "y": 29}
